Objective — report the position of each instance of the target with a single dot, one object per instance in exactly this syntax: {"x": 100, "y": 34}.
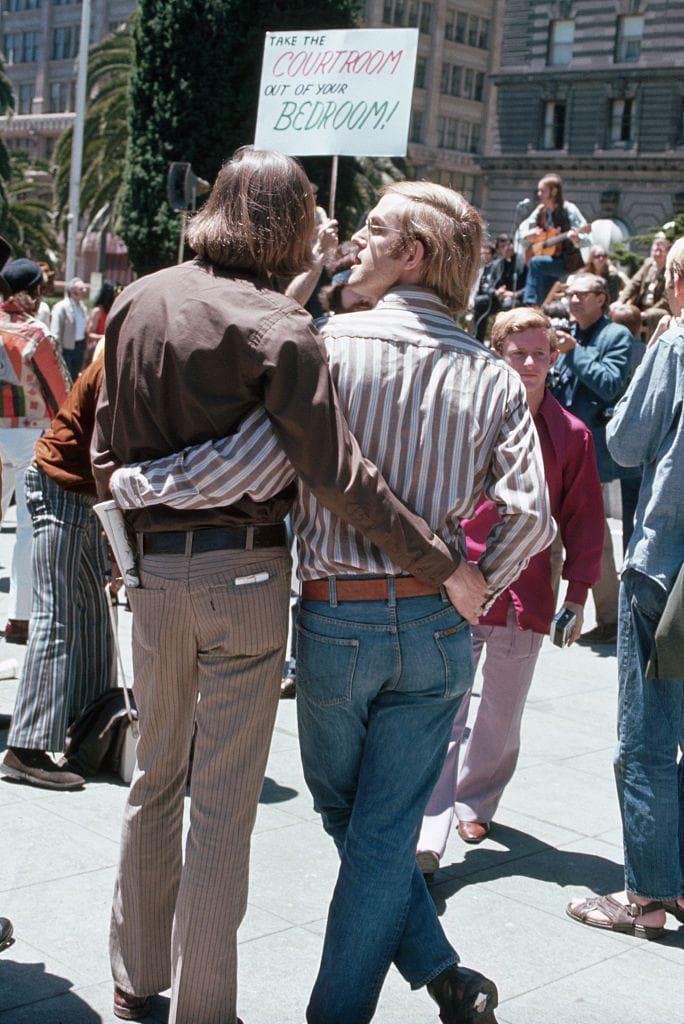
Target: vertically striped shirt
{"x": 443, "y": 418}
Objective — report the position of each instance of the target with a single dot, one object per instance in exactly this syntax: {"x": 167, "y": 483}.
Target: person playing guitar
{"x": 552, "y": 232}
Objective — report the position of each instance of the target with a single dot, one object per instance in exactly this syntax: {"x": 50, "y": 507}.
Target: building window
{"x": 21, "y": 5}
{"x": 554, "y": 125}
{"x": 450, "y": 24}
{"x": 11, "y": 45}
{"x": 62, "y": 97}
{"x": 413, "y": 14}
{"x": 460, "y": 135}
{"x": 629, "y": 33}
{"x": 461, "y": 27}
{"x": 416, "y": 133}
{"x": 621, "y": 123}
{"x": 426, "y": 18}
{"x": 561, "y": 40}
{"x": 26, "y": 94}
{"x": 473, "y": 84}
{"x": 451, "y": 80}
{"x": 65, "y": 42}
{"x": 63, "y": 3}
{"x": 421, "y": 71}
{"x": 387, "y": 12}
{"x": 483, "y": 34}
{"x": 21, "y": 47}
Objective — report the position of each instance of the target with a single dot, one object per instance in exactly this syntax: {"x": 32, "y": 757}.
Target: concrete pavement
{"x": 502, "y": 903}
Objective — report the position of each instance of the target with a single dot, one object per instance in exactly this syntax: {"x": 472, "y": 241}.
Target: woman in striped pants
{"x": 69, "y": 660}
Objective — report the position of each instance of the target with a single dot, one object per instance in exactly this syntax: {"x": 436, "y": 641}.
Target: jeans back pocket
{"x": 456, "y": 648}
{"x": 325, "y": 667}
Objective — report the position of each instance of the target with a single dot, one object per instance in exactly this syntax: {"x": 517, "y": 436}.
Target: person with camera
{"x": 591, "y": 374}
{"x": 510, "y": 633}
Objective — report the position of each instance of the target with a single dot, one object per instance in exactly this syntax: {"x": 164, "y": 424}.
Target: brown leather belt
{"x": 355, "y": 589}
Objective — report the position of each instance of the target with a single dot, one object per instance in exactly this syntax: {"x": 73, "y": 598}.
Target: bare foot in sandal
{"x": 620, "y": 912}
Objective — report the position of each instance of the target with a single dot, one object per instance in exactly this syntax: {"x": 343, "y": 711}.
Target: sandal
{"x": 621, "y": 918}
{"x": 672, "y": 907}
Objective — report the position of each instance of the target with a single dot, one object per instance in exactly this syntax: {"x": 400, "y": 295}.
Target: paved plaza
{"x": 557, "y": 835}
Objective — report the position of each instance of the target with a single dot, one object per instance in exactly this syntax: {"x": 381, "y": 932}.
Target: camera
{"x": 562, "y": 625}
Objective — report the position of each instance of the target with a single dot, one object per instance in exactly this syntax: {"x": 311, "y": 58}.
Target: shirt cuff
{"x": 577, "y": 592}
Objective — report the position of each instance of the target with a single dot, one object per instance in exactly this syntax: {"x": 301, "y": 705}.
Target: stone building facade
{"x": 40, "y": 40}
{"x": 458, "y": 48}
{"x": 594, "y": 92}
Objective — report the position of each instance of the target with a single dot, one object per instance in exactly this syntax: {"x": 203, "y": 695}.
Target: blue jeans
{"x": 542, "y": 273}
{"x": 378, "y": 685}
{"x": 650, "y": 731}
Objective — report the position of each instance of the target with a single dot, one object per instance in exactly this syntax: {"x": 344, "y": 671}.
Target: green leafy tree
{"x": 194, "y": 95}
{"x": 105, "y": 130}
{"x": 6, "y": 108}
{"x": 27, "y": 222}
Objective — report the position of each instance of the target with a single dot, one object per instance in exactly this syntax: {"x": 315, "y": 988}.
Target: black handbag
{"x": 95, "y": 741}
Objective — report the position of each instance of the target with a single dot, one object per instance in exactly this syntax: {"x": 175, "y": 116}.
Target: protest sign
{"x": 343, "y": 92}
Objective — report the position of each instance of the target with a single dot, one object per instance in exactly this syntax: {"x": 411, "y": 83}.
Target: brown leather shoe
{"x": 129, "y": 1007}
{"x": 473, "y": 831}
{"x": 16, "y": 631}
{"x": 38, "y": 769}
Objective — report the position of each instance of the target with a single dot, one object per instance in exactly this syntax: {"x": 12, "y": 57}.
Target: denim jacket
{"x": 648, "y": 429}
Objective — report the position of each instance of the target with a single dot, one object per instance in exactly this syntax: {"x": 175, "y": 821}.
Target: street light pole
{"x": 77, "y": 144}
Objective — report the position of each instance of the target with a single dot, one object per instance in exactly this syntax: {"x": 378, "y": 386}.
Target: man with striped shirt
{"x": 383, "y": 661}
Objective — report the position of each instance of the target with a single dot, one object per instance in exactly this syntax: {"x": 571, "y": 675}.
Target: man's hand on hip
{"x": 467, "y": 590}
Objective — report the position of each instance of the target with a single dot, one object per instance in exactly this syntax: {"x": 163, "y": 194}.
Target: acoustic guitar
{"x": 549, "y": 241}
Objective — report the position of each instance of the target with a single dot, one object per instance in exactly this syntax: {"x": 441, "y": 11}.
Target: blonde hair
{"x": 674, "y": 267}
{"x": 450, "y": 230}
{"x": 515, "y": 321}
{"x": 259, "y": 216}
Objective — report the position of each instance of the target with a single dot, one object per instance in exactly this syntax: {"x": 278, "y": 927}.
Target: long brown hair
{"x": 259, "y": 216}
{"x": 555, "y": 182}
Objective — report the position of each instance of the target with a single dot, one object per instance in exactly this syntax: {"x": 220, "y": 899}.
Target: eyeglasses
{"x": 582, "y": 295}
{"x": 375, "y": 230}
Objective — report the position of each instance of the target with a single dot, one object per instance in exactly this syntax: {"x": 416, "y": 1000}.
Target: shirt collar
{"x": 551, "y": 411}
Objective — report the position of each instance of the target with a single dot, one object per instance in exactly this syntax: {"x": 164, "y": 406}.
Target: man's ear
{"x": 415, "y": 255}
{"x": 554, "y": 356}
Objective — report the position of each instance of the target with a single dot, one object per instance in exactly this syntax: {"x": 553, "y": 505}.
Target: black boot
{"x": 464, "y": 996}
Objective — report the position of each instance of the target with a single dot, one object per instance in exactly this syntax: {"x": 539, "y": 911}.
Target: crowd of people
{"x": 440, "y": 485}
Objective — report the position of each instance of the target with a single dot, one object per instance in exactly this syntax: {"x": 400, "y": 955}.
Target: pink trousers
{"x": 491, "y": 754}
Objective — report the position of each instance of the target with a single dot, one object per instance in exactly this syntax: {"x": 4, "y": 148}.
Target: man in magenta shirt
{"x": 512, "y": 630}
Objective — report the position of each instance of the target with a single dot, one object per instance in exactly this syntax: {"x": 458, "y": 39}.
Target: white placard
{"x": 343, "y": 91}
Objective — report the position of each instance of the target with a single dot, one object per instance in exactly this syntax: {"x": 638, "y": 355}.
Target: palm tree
{"x": 27, "y": 218}
{"x": 105, "y": 133}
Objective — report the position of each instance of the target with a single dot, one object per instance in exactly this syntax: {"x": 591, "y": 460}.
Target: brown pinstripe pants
{"x": 210, "y": 652}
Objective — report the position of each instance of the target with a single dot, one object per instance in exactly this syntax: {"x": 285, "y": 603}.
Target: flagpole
{"x": 77, "y": 145}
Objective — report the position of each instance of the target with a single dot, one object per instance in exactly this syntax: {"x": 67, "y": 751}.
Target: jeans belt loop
{"x": 443, "y": 594}
{"x": 332, "y": 590}
{"x": 188, "y": 543}
{"x": 249, "y": 539}
{"x": 391, "y": 592}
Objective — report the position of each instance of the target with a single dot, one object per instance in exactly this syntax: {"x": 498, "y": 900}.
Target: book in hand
{"x": 114, "y": 525}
